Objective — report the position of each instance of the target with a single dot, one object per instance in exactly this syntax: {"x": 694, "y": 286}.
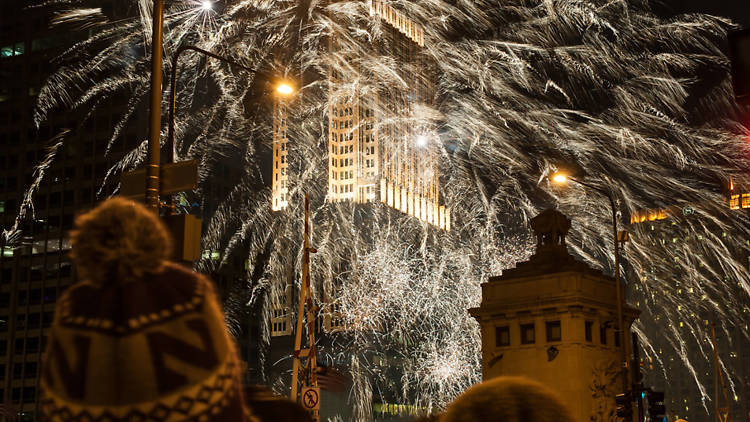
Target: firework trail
{"x": 26, "y": 210}
{"x": 603, "y": 88}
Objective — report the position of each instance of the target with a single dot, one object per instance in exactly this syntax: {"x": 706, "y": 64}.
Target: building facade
{"x": 672, "y": 228}
{"x": 379, "y": 147}
{"x": 554, "y": 319}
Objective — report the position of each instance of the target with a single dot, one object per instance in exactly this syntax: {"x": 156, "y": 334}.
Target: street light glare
{"x": 207, "y": 5}
{"x": 284, "y": 89}
{"x": 559, "y": 178}
{"x": 421, "y": 140}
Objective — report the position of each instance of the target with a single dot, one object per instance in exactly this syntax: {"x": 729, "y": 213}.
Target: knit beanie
{"x": 507, "y": 399}
{"x": 140, "y": 338}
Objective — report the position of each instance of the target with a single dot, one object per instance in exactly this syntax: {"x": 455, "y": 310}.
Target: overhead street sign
{"x": 173, "y": 177}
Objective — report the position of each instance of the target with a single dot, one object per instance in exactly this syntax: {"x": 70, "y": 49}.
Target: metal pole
{"x": 154, "y": 146}
{"x": 716, "y": 374}
{"x": 618, "y": 282}
{"x": 635, "y": 375}
{"x": 618, "y": 285}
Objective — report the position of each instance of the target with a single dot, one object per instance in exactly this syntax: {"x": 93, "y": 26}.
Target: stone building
{"x": 554, "y": 319}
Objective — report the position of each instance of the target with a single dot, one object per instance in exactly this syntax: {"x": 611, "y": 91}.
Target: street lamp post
{"x": 562, "y": 178}
{"x": 154, "y": 145}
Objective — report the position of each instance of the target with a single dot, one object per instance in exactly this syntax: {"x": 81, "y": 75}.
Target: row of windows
{"x": 347, "y": 111}
{"x": 342, "y": 124}
{"x": 343, "y": 175}
{"x": 553, "y": 331}
{"x": 29, "y": 396}
{"x": 343, "y": 149}
{"x": 53, "y": 222}
{"x": 344, "y": 188}
{"x": 30, "y": 297}
{"x": 21, "y": 370}
{"x": 10, "y": 182}
{"x": 18, "y": 49}
{"x": 528, "y": 334}
{"x": 737, "y": 201}
{"x": 342, "y": 162}
{"x": 30, "y": 321}
{"x": 344, "y": 137}
{"x": 24, "y": 345}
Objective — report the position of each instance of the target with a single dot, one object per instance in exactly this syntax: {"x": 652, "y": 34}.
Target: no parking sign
{"x": 311, "y": 398}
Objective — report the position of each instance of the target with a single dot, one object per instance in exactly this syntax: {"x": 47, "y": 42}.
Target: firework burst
{"x": 522, "y": 88}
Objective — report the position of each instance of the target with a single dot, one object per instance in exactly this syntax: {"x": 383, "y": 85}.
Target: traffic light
{"x": 656, "y": 409}
{"x": 624, "y": 403}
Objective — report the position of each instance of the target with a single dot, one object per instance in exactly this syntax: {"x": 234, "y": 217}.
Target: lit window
{"x": 734, "y": 202}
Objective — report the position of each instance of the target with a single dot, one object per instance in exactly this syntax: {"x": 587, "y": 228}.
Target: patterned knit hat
{"x": 137, "y": 344}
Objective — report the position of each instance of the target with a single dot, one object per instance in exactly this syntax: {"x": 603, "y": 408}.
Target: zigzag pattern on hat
{"x": 215, "y": 397}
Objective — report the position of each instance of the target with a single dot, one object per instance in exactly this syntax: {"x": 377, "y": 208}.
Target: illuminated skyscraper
{"x": 379, "y": 147}
{"x": 280, "y": 177}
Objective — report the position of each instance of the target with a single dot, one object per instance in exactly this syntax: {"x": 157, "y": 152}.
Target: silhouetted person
{"x": 139, "y": 338}
{"x": 507, "y": 399}
{"x": 269, "y": 407}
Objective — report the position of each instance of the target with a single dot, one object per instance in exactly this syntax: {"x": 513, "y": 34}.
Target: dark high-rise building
{"x": 684, "y": 397}
{"x": 34, "y": 266}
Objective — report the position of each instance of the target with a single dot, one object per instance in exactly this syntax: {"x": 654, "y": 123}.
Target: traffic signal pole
{"x": 637, "y": 379}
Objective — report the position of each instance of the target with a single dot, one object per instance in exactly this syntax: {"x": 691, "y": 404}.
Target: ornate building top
{"x": 550, "y": 228}
{"x": 551, "y": 256}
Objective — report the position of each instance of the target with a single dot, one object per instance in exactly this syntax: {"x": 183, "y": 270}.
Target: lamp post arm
{"x": 173, "y": 88}
{"x": 604, "y": 192}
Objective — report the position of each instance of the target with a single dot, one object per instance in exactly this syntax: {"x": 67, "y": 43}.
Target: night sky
{"x": 737, "y": 10}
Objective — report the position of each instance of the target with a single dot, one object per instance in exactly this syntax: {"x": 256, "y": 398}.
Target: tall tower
{"x": 280, "y": 176}
{"x": 378, "y": 146}
{"x": 553, "y": 319}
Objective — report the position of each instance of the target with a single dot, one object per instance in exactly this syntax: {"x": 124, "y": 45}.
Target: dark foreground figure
{"x": 507, "y": 399}
{"x": 269, "y": 407}
{"x": 139, "y": 338}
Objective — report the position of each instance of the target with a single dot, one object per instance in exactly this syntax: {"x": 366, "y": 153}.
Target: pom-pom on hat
{"x": 507, "y": 399}
{"x": 143, "y": 343}
{"x": 119, "y": 241}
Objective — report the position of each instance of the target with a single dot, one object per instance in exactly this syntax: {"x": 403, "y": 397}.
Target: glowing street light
{"x": 421, "y": 140}
{"x": 560, "y": 178}
{"x": 285, "y": 89}
{"x": 207, "y": 5}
